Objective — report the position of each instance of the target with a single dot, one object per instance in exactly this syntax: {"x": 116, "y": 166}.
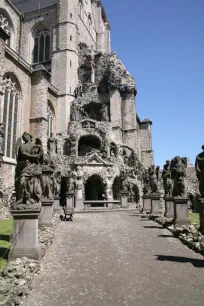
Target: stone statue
{"x": 166, "y": 176}
{"x": 199, "y": 166}
{"x": 73, "y": 143}
{"x": 124, "y": 181}
{"x": 52, "y": 144}
{"x": 178, "y": 174}
{"x": 146, "y": 182}
{"x": 154, "y": 179}
{"x": 70, "y": 182}
{"x": 47, "y": 179}
{"x": 28, "y": 174}
{"x": 78, "y": 90}
{"x": 2, "y": 133}
{"x": 57, "y": 183}
{"x": 104, "y": 113}
{"x": 92, "y": 62}
{"x": 77, "y": 112}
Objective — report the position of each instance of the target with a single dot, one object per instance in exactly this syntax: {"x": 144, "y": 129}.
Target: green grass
{"x": 194, "y": 218}
{"x": 5, "y": 231}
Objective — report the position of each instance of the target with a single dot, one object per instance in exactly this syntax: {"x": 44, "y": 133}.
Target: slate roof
{"x": 27, "y": 6}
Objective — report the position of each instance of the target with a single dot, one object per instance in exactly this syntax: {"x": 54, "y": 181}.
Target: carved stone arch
{"x": 88, "y": 142}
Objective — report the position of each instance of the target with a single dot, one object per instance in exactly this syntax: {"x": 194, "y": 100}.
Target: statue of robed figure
{"x": 199, "y": 166}
{"x": 28, "y": 174}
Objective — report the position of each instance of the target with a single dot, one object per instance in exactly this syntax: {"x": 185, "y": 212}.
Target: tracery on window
{"x": 9, "y": 116}
{"x": 41, "y": 52}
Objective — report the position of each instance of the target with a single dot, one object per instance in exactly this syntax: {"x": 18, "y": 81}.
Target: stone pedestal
{"x": 181, "y": 211}
{"x": 87, "y": 206}
{"x": 69, "y": 200}
{"x": 124, "y": 200}
{"x": 25, "y": 235}
{"x": 46, "y": 213}
{"x": 146, "y": 203}
{"x": 79, "y": 196}
{"x": 57, "y": 206}
{"x": 155, "y": 204}
{"x": 201, "y": 212}
{"x": 169, "y": 207}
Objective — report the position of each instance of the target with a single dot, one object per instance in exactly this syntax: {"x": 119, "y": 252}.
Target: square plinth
{"x": 56, "y": 206}
{"x": 169, "y": 207}
{"x": 155, "y": 204}
{"x": 25, "y": 235}
{"x": 69, "y": 200}
{"x": 181, "y": 211}
{"x": 146, "y": 204}
{"x": 46, "y": 213}
{"x": 124, "y": 200}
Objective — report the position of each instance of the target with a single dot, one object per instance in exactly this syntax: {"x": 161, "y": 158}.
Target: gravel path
{"x": 118, "y": 259}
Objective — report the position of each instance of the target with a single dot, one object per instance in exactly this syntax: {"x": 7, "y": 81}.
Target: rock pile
{"x": 15, "y": 280}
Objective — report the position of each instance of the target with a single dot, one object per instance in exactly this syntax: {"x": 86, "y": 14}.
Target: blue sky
{"x": 161, "y": 42}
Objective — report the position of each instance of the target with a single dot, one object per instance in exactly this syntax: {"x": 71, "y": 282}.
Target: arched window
{"x": 5, "y": 24}
{"x": 10, "y": 115}
{"x": 41, "y": 52}
{"x": 50, "y": 118}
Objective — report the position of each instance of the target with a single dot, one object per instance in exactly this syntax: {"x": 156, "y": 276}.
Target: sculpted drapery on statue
{"x": 199, "y": 165}
{"x": 166, "y": 175}
{"x": 28, "y": 174}
{"x": 178, "y": 173}
{"x": 52, "y": 144}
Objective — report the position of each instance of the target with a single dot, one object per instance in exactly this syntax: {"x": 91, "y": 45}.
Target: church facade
{"x": 60, "y": 82}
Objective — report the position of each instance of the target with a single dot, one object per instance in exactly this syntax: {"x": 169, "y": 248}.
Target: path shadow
{"x": 152, "y": 226}
{"x": 5, "y": 237}
{"x": 4, "y": 253}
{"x": 145, "y": 219}
{"x": 198, "y": 263}
{"x": 166, "y": 236}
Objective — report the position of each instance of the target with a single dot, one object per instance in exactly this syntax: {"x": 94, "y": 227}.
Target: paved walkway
{"x": 115, "y": 259}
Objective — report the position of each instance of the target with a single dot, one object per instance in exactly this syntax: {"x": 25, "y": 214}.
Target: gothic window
{"x": 41, "y": 52}
{"x": 10, "y": 116}
{"x": 6, "y": 26}
{"x": 50, "y": 118}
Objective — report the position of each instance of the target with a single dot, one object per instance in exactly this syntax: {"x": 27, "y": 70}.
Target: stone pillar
{"x": 124, "y": 200}
{"x": 201, "y": 212}
{"x": 155, "y": 204}
{"x": 25, "y": 235}
{"x": 181, "y": 211}
{"x": 57, "y": 206}
{"x": 146, "y": 204}
{"x": 79, "y": 195}
{"x": 39, "y": 95}
{"x": 69, "y": 200}
{"x": 169, "y": 207}
{"x": 46, "y": 213}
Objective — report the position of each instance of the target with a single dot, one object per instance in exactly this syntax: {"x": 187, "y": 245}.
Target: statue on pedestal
{"x": 199, "y": 166}
{"x": 70, "y": 182}
{"x": 104, "y": 113}
{"x": 124, "y": 181}
{"x": 52, "y": 144}
{"x": 47, "y": 179}
{"x": 154, "y": 179}
{"x": 178, "y": 174}
{"x": 78, "y": 90}
{"x": 28, "y": 174}
{"x": 57, "y": 183}
{"x": 146, "y": 182}
{"x": 166, "y": 175}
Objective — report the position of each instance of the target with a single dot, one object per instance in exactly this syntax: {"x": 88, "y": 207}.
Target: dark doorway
{"x": 94, "y": 189}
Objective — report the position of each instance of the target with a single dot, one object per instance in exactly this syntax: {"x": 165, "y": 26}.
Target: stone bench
{"x": 110, "y": 204}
